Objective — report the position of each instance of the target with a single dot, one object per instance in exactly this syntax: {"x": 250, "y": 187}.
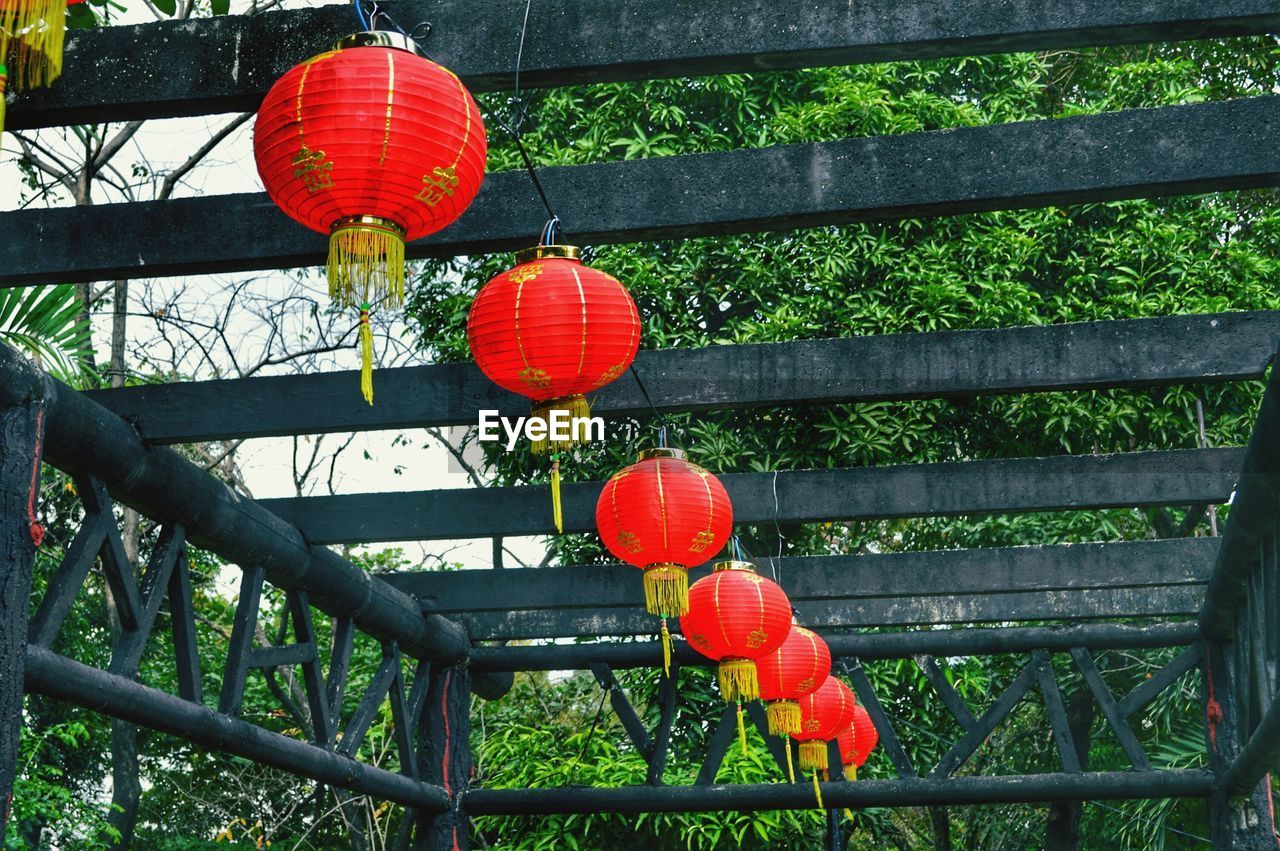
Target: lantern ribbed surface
{"x": 795, "y": 669}
{"x": 735, "y": 617}
{"x": 823, "y": 713}
{"x": 373, "y": 145}
{"x": 665, "y": 515}
{"x": 552, "y": 329}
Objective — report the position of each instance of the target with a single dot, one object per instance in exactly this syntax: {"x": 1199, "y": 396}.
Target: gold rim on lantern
{"x": 378, "y": 38}
{"x": 733, "y": 564}
{"x": 543, "y": 252}
{"x": 662, "y": 452}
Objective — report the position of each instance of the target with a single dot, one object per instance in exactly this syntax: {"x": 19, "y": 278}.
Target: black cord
{"x": 573, "y": 770}
{"x": 662, "y": 421}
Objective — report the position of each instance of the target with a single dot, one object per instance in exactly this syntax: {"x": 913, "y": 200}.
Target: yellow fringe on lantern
{"x": 666, "y": 590}
{"x": 784, "y": 717}
{"x": 817, "y": 791}
{"x": 738, "y": 680}
{"x": 557, "y": 510}
{"x": 666, "y": 648}
{"x": 791, "y": 769}
{"x": 851, "y": 772}
{"x": 366, "y": 262}
{"x": 366, "y": 357}
{"x": 577, "y": 408}
{"x": 742, "y": 732}
{"x": 31, "y": 37}
{"x": 813, "y": 756}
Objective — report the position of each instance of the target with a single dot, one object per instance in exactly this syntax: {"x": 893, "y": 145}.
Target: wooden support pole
{"x": 444, "y": 757}
{"x": 1240, "y": 822}
{"x": 21, "y": 436}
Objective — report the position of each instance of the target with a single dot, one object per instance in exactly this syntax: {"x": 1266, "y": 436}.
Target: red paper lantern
{"x": 664, "y": 514}
{"x": 857, "y": 741}
{"x": 795, "y": 669}
{"x": 736, "y": 617}
{"x": 553, "y": 330}
{"x": 823, "y": 713}
{"x": 31, "y": 37}
{"x": 374, "y": 145}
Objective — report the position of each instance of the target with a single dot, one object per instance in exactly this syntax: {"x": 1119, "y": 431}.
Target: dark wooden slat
{"x": 116, "y": 568}
{"x": 956, "y": 364}
{"x": 282, "y": 656}
{"x": 400, "y": 718}
{"x": 1062, "y": 483}
{"x": 866, "y": 695}
{"x": 304, "y": 634}
{"x": 67, "y": 581}
{"x": 1147, "y": 691}
{"x": 240, "y": 651}
{"x": 623, "y": 709}
{"x": 939, "y": 573}
{"x": 1057, "y": 713}
{"x": 182, "y": 621}
{"x": 1107, "y": 703}
{"x": 367, "y": 711}
{"x": 167, "y": 69}
{"x": 718, "y": 746}
{"x": 170, "y": 546}
{"x": 344, "y": 634}
{"x": 970, "y": 742}
{"x": 950, "y": 697}
{"x": 1085, "y": 159}
{"x": 668, "y": 697}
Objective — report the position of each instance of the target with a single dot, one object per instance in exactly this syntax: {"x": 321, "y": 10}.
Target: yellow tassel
{"x": 666, "y": 648}
{"x": 817, "y": 791}
{"x": 4, "y": 80}
{"x": 813, "y": 756}
{"x": 557, "y": 509}
{"x": 742, "y": 731}
{"x": 738, "y": 680}
{"x": 31, "y": 37}
{"x": 791, "y": 769}
{"x": 852, "y": 772}
{"x": 666, "y": 590}
{"x": 784, "y": 717}
{"x": 366, "y": 355}
{"x": 577, "y": 408}
{"x": 366, "y": 262}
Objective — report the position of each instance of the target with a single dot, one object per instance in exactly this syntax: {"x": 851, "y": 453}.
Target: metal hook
{"x": 425, "y": 26}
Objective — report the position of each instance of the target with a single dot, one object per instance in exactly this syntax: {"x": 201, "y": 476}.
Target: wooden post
{"x": 1242, "y": 823}
{"x": 444, "y": 757}
{"x": 21, "y": 436}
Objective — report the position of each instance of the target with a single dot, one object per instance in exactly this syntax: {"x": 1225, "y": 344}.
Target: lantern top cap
{"x": 543, "y": 252}
{"x": 378, "y": 38}
{"x": 663, "y": 452}
{"x": 733, "y": 564}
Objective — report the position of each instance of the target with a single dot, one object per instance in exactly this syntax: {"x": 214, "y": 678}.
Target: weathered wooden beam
{"x": 64, "y": 679}
{"x": 865, "y": 646}
{"x": 1060, "y": 483}
{"x": 1085, "y": 159}
{"x": 21, "y": 429}
{"x": 1255, "y": 517}
{"x": 957, "y": 364}
{"x": 226, "y": 64}
{"x": 444, "y": 757}
{"x": 1024, "y": 788}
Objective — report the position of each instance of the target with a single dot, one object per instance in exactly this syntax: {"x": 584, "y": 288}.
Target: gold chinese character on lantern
{"x": 756, "y": 637}
{"x": 313, "y": 169}
{"x": 437, "y": 185}
{"x": 702, "y": 540}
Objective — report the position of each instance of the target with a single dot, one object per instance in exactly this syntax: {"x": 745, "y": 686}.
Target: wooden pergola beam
{"x": 170, "y": 68}
{"x": 1085, "y": 159}
{"x": 1008, "y": 485}
{"x": 955, "y": 364}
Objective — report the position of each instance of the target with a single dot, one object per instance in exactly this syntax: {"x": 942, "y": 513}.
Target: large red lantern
{"x": 374, "y": 145}
{"x": 664, "y": 515}
{"x": 795, "y": 669}
{"x": 553, "y": 330}
{"x": 31, "y": 37}
{"x": 857, "y": 741}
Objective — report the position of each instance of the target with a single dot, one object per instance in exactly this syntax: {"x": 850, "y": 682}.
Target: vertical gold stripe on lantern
{"x": 391, "y": 89}
{"x": 723, "y": 633}
{"x": 711, "y": 502}
{"x": 582, "y": 296}
{"x": 662, "y": 502}
{"x": 519, "y": 344}
{"x": 466, "y": 110}
{"x": 813, "y": 672}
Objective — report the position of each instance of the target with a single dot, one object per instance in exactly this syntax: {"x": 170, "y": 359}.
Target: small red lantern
{"x": 664, "y": 515}
{"x": 554, "y": 330}
{"x": 374, "y": 145}
{"x": 857, "y": 741}
{"x": 823, "y": 714}
{"x": 31, "y": 37}
{"x": 795, "y": 669}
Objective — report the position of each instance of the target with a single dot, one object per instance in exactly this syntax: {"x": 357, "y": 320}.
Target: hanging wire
{"x": 663, "y": 428}
{"x": 360, "y": 18}
{"x": 777, "y": 530}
